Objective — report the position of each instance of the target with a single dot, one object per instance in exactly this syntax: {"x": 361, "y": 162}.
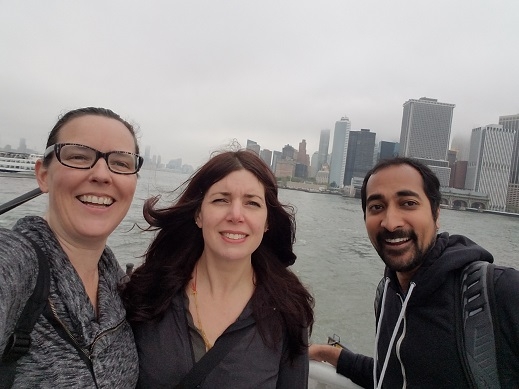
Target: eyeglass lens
{"x": 84, "y": 158}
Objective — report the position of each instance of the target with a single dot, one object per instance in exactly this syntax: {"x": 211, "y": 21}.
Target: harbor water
{"x": 335, "y": 258}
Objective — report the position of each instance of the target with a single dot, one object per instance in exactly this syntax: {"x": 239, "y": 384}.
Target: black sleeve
{"x": 356, "y": 367}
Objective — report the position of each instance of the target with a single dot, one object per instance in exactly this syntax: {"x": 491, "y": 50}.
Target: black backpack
{"x": 475, "y": 327}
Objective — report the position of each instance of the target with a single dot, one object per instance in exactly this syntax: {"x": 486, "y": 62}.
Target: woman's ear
{"x": 198, "y": 219}
{"x": 41, "y": 175}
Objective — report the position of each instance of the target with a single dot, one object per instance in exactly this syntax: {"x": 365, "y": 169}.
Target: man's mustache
{"x": 398, "y": 234}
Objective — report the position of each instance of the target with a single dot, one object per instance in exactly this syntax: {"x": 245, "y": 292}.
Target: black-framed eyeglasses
{"x": 79, "y": 156}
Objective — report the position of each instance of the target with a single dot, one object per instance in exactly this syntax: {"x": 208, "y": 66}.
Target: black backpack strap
{"x": 378, "y": 298}
{"x": 211, "y": 358}
{"x": 19, "y": 342}
{"x": 476, "y": 338}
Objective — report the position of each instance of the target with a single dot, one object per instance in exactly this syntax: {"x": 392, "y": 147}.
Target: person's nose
{"x": 100, "y": 172}
{"x": 236, "y": 212}
{"x": 392, "y": 219}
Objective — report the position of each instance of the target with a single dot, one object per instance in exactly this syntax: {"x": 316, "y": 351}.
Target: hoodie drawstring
{"x": 393, "y": 336}
{"x": 375, "y": 353}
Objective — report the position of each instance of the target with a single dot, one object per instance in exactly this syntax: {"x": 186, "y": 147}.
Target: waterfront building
{"x": 359, "y": 156}
{"x": 288, "y": 152}
{"x": 285, "y": 168}
{"x": 301, "y": 170}
{"x": 489, "y": 164}
{"x": 426, "y": 129}
{"x": 324, "y": 143}
{"x": 511, "y": 122}
{"x": 458, "y": 175}
{"x": 22, "y": 146}
{"x": 322, "y": 177}
{"x": 302, "y": 156}
{"x": 339, "y": 150}
{"x": 266, "y": 156}
{"x": 314, "y": 165}
{"x": 276, "y": 156}
{"x": 174, "y": 164}
{"x": 253, "y": 146}
{"x": 147, "y": 164}
{"x": 425, "y": 133}
{"x": 387, "y": 150}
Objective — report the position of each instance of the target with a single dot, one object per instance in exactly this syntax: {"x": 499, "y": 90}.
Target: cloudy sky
{"x": 195, "y": 74}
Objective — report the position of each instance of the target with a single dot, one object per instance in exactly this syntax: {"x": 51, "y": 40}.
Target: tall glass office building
{"x": 511, "y": 122}
{"x": 339, "y": 149}
{"x": 425, "y": 133}
{"x": 490, "y": 159}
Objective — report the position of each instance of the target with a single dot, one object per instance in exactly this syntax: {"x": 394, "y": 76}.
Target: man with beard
{"x": 418, "y": 327}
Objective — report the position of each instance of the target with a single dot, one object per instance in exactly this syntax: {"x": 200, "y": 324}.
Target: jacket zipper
{"x": 87, "y": 352}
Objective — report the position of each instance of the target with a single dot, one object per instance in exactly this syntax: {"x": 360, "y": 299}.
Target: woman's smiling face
{"x": 233, "y": 216}
{"x": 86, "y": 205}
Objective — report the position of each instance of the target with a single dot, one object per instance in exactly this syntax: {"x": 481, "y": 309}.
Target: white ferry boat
{"x": 13, "y": 163}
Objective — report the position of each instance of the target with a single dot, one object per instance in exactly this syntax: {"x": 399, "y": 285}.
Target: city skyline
{"x": 194, "y": 76}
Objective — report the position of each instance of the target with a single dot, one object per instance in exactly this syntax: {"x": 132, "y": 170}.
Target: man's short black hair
{"x": 431, "y": 184}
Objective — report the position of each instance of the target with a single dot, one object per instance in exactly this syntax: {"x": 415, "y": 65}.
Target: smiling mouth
{"x": 397, "y": 240}
{"x": 234, "y": 236}
{"x": 96, "y": 200}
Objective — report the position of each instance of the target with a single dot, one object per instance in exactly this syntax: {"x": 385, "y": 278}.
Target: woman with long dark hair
{"x": 217, "y": 269}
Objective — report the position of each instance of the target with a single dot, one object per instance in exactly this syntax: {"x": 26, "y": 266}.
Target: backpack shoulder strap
{"x": 208, "y": 362}
{"x": 19, "y": 342}
{"x": 378, "y": 298}
{"x": 475, "y": 324}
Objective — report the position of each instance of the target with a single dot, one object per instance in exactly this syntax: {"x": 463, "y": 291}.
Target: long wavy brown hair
{"x": 281, "y": 304}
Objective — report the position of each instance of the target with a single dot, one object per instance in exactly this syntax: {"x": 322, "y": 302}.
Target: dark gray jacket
{"x": 166, "y": 356}
{"x": 51, "y": 361}
{"x": 425, "y": 352}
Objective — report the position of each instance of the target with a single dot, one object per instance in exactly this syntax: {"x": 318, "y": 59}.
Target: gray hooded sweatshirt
{"x": 52, "y": 362}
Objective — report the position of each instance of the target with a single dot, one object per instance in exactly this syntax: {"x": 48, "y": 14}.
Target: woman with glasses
{"x": 81, "y": 339}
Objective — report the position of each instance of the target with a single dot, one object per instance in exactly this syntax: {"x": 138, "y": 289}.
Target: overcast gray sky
{"x": 196, "y": 74}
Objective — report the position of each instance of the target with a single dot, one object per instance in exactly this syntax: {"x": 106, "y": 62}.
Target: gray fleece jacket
{"x": 51, "y": 361}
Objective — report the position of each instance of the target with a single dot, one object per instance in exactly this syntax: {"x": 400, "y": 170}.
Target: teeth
{"x": 96, "y": 200}
{"x": 234, "y": 236}
{"x": 397, "y": 240}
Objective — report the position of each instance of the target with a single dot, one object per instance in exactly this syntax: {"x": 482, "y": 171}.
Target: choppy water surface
{"x": 335, "y": 258}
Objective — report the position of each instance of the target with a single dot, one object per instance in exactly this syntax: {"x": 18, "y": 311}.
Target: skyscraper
{"x": 387, "y": 150}
{"x": 511, "y": 122}
{"x": 324, "y": 143}
{"x": 489, "y": 163}
{"x": 302, "y": 156}
{"x": 253, "y": 146}
{"x": 426, "y": 129}
{"x": 339, "y": 150}
{"x": 359, "y": 158}
{"x": 425, "y": 133}
{"x": 266, "y": 155}
{"x": 313, "y": 165}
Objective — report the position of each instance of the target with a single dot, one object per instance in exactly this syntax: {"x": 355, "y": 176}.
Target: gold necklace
{"x": 208, "y": 345}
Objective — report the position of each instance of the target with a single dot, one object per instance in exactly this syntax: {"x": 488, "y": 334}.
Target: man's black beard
{"x": 415, "y": 262}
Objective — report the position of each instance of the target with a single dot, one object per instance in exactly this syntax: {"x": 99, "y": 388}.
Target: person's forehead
{"x": 395, "y": 180}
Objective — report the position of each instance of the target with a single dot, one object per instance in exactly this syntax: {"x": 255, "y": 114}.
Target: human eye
{"x": 77, "y": 155}
{"x": 375, "y": 207}
{"x": 122, "y": 162}
{"x": 254, "y": 203}
{"x": 220, "y": 200}
{"x": 409, "y": 203}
